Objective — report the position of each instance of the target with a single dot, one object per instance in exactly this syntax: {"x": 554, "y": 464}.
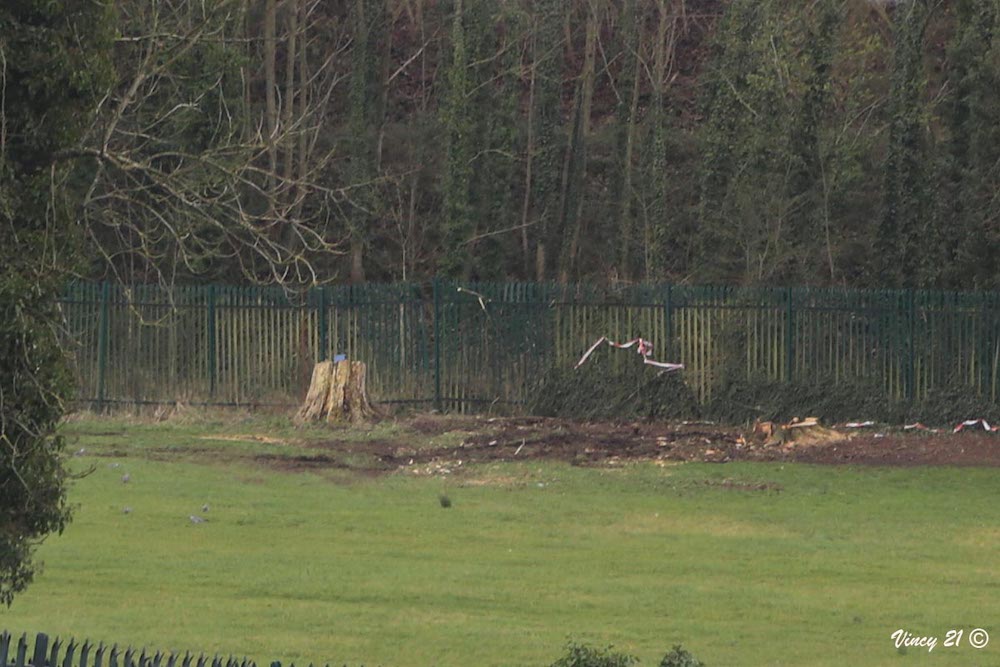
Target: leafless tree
{"x": 182, "y": 182}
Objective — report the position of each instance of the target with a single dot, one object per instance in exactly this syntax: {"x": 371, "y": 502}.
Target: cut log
{"x": 338, "y": 392}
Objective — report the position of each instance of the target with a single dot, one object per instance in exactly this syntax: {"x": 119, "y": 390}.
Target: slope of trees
{"x": 840, "y": 142}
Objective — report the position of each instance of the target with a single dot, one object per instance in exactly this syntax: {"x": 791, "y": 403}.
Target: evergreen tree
{"x": 458, "y": 125}
{"x": 966, "y": 230}
{"x": 806, "y": 143}
{"x": 54, "y": 58}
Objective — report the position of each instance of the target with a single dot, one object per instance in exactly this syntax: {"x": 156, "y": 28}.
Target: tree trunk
{"x": 338, "y": 392}
{"x": 587, "y": 84}
{"x": 625, "y": 212}
{"x": 288, "y": 103}
{"x": 270, "y": 82}
{"x": 357, "y": 261}
{"x": 528, "y": 156}
{"x": 631, "y": 50}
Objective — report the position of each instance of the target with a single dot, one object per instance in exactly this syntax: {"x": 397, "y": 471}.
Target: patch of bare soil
{"x": 968, "y": 448}
{"x": 299, "y": 463}
{"x": 613, "y": 444}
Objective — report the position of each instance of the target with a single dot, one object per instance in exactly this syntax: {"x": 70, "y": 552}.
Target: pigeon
{"x": 125, "y": 478}
{"x": 126, "y": 510}
{"x": 196, "y": 519}
{"x": 204, "y": 508}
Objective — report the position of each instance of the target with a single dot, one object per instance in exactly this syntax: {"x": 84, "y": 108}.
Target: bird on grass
{"x": 197, "y": 519}
{"x": 125, "y": 478}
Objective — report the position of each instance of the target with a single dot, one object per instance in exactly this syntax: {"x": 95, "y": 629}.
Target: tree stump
{"x": 338, "y": 392}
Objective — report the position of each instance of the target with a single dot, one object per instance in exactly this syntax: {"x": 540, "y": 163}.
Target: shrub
{"x": 581, "y": 655}
{"x": 678, "y": 657}
{"x": 601, "y": 391}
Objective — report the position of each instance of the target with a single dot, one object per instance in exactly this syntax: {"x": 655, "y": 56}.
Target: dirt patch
{"x": 604, "y": 444}
{"x": 956, "y": 449}
{"x": 300, "y": 463}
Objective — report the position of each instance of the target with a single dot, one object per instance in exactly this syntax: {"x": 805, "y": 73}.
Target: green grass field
{"x": 745, "y": 564}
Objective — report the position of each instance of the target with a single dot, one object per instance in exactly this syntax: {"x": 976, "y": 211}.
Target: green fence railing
{"x": 16, "y": 652}
{"x": 466, "y": 346}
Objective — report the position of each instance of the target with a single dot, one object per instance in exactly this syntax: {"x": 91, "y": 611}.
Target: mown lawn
{"x": 745, "y": 564}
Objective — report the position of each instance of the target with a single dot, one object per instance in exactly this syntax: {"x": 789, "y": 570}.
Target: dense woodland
{"x": 830, "y": 142}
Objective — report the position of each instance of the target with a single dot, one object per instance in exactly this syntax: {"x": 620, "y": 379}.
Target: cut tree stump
{"x": 338, "y": 392}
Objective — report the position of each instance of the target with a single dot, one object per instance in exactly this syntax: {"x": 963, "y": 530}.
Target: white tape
{"x": 974, "y": 422}
{"x": 645, "y": 349}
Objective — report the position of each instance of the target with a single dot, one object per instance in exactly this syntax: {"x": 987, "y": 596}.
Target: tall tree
{"x": 808, "y": 182}
{"x": 367, "y": 109}
{"x": 627, "y": 119}
{"x": 903, "y": 223}
{"x": 458, "y": 124}
{"x": 745, "y": 208}
{"x": 495, "y": 99}
{"x": 547, "y": 111}
{"x": 661, "y": 237}
{"x": 576, "y": 151}
{"x": 53, "y": 63}
{"x": 967, "y": 224}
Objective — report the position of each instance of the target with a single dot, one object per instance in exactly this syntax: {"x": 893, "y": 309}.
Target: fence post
{"x": 668, "y": 323}
{"x": 324, "y": 325}
{"x": 437, "y": 343}
{"x": 41, "y": 648}
{"x": 789, "y": 335}
{"x": 911, "y": 367}
{"x": 211, "y": 340}
{"x": 102, "y": 345}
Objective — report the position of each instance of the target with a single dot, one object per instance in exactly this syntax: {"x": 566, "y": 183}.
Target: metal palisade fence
{"x": 468, "y": 346}
{"x": 14, "y": 652}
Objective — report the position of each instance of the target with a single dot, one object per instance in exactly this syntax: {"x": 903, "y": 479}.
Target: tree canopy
{"x": 53, "y": 64}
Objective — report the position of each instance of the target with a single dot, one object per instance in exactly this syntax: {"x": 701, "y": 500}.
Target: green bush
{"x": 760, "y": 398}
{"x": 600, "y": 391}
{"x": 678, "y": 657}
{"x": 581, "y": 655}
{"x": 763, "y": 398}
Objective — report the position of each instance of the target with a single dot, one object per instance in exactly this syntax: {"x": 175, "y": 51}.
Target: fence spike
{"x": 99, "y": 655}
{"x": 157, "y": 658}
{"x": 84, "y": 653}
{"x": 187, "y": 660}
{"x": 54, "y": 652}
{"x": 22, "y": 650}
{"x": 4, "y": 647}
{"x": 70, "y": 650}
{"x": 172, "y": 660}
